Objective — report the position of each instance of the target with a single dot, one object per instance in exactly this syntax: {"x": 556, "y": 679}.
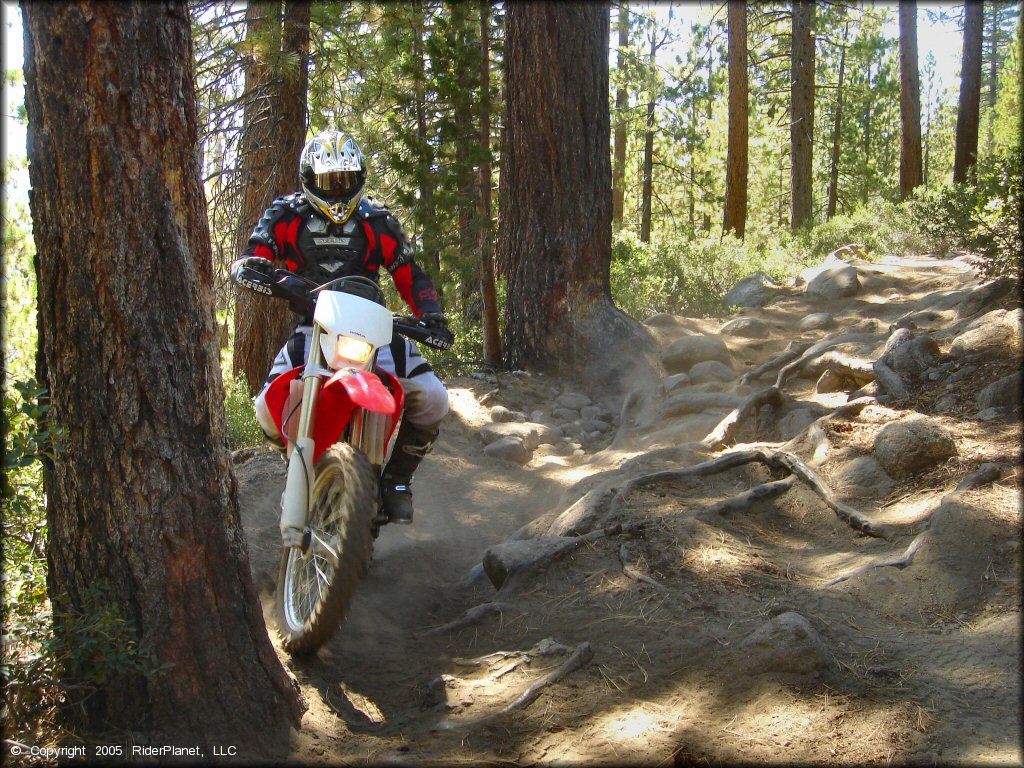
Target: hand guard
{"x": 255, "y": 263}
{"x": 437, "y": 324}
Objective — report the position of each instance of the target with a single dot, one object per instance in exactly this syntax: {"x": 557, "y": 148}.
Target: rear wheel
{"x": 315, "y": 590}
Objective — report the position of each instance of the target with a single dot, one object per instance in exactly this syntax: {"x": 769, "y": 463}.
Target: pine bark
{"x": 647, "y": 191}
{"x": 488, "y": 293}
{"x": 555, "y": 233}
{"x": 736, "y": 154}
{"x": 911, "y": 171}
{"x": 621, "y": 105}
{"x": 142, "y": 496}
{"x": 967, "y": 116}
{"x": 801, "y": 127}
{"x": 276, "y": 78}
{"x": 833, "y": 176}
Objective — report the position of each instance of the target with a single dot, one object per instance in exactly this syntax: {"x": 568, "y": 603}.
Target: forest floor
{"x": 711, "y": 626}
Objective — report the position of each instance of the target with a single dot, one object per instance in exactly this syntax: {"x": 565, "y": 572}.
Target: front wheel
{"x": 315, "y": 590}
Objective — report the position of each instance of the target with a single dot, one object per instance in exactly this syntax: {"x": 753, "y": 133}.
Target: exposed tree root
{"x": 582, "y": 656}
{"x": 986, "y": 474}
{"x": 815, "y": 351}
{"x": 635, "y": 573}
{"x": 468, "y": 619}
{"x": 792, "y": 351}
{"x": 745, "y": 500}
{"x": 516, "y": 575}
{"x": 857, "y": 369}
{"x": 890, "y": 381}
{"x": 728, "y": 426}
{"x": 815, "y": 435}
{"x": 779, "y": 460}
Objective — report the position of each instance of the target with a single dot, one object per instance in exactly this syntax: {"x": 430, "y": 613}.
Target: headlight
{"x": 353, "y": 350}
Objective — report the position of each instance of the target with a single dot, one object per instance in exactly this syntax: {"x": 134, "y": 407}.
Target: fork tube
{"x": 298, "y": 491}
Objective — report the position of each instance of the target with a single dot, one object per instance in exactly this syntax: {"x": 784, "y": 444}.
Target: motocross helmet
{"x": 332, "y": 172}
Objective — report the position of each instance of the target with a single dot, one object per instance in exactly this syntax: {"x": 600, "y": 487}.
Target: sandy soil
{"x": 918, "y": 664}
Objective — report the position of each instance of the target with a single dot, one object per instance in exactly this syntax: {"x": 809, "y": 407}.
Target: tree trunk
{"x": 431, "y": 251}
{"x": 833, "y": 176}
{"x": 556, "y": 179}
{"x": 867, "y": 133}
{"x": 621, "y": 105}
{"x": 911, "y": 174}
{"x": 801, "y": 125}
{"x": 648, "y": 180}
{"x": 488, "y": 293}
{"x": 970, "y": 96}
{"x": 142, "y": 496}
{"x": 736, "y": 156}
{"x": 275, "y": 132}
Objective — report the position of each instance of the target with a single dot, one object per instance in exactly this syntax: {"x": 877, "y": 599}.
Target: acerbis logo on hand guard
{"x": 252, "y": 286}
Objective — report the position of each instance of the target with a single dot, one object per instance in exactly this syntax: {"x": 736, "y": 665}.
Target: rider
{"x": 330, "y": 230}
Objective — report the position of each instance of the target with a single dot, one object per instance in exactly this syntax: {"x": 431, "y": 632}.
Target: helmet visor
{"x": 337, "y": 185}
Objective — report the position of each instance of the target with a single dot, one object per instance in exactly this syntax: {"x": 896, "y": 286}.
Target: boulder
{"x": 912, "y": 355}
{"x": 817, "y": 321}
{"x": 985, "y": 296}
{"x": 864, "y": 476}
{"x": 745, "y": 327}
{"x": 677, "y": 381}
{"x": 572, "y": 400}
{"x": 595, "y": 412}
{"x": 835, "y": 282}
{"x": 1003, "y": 393}
{"x": 662, "y": 320}
{"x": 830, "y": 381}
{"x": 786, "y": 645}
{"x": 914, "y": 443}
{"x": 686, "y": 352}
{"x": 509, "y": 449}
{"x": 996, "y": 332}
{"x": 501, "y": 414}
{"x": 754, "y": 290}
{"x": 711, "y": 371}
{"x": 795, "y": 422}
{"x": 503, "y": 560}
{"x": 529, "y": 433}
{"x": 565, "y": 414}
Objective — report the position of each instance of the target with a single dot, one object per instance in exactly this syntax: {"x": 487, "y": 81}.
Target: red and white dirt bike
{"x": 339, "y": 415}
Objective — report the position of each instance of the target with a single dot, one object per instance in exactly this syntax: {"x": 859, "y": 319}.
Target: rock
{"x": 794, "y": 422}
{"x": 662, "y": 320}
{"x": 501, "y": 414}
{"x": 835, "y": 282}
{"x": 911, "y": 358}
{"x": 944, "y": 403}
{"x": 572, "y": 400}
{"x": 572, "y": 429}
{"x": 509, "y": 449}
{"x": 911, "y": 444}
{"x": 565, "y": 414}
{"x": 830, "y": 381}
{"x": 745, "y": 327}
{"x": 529, "y": 433}
{"x": 686, "y": 352}
{"x": 863, "y": 475}
{"x": 537, "y": 416}
{"x": 786, "y": 645}
{"x": 960, "y": 373}
{"x": 503, "y": 560}
{"x": 990, "y": 414}
{"x": 984, "y": 296}
{"x": 594, "y": 412}
{"x": 817, "y": 321}
{"x": 678, "y": 381}
{"x": 711, "y": 371}
{"x": 997, "y": 332}
{"x": 1003, "y": 393}
{"x": 754, "y": 290}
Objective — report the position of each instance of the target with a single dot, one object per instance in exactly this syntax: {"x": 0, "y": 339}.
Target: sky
{"x": 943, "y": 40}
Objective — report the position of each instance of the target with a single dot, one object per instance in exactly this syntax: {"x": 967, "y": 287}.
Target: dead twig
{"x": 635, "y": 573}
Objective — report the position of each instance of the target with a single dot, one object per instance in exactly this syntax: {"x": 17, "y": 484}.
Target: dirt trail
{"x": 754, "y": 637}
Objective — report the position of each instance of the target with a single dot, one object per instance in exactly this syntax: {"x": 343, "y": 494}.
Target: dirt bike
{"x": 339, "y": 416}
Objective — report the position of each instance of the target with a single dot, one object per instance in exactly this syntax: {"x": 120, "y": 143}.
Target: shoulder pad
{"x": 282, "y": 207}
{"x": 370, "y": 208}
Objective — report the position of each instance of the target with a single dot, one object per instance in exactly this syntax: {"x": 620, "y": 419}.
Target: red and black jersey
{"x": 320, "y": 250}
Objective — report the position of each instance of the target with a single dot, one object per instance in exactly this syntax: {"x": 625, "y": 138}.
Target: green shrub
{"x": 882, "y": 228}
{"x": 240, "y": 415}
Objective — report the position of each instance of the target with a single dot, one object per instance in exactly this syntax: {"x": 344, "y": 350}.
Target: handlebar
{"x": 417, "y": 330}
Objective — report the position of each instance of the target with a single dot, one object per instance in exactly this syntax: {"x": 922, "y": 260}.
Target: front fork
{"x": 298, "y": 489}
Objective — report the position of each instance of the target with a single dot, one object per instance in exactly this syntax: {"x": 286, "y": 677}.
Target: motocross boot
{"x": 411, "y": 445}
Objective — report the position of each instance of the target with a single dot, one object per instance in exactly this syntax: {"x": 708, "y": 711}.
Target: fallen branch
{"x": 582, "y": 656}
{"x": 817, "y": 350}
{"x": 728, "y": 426}
{"x": 793, "y": 351}
{"x": 635, "y": 573}
{"x": 469, "y": 618}
{"x": 773, "y": 459}
{"x": 745, "y": 500}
